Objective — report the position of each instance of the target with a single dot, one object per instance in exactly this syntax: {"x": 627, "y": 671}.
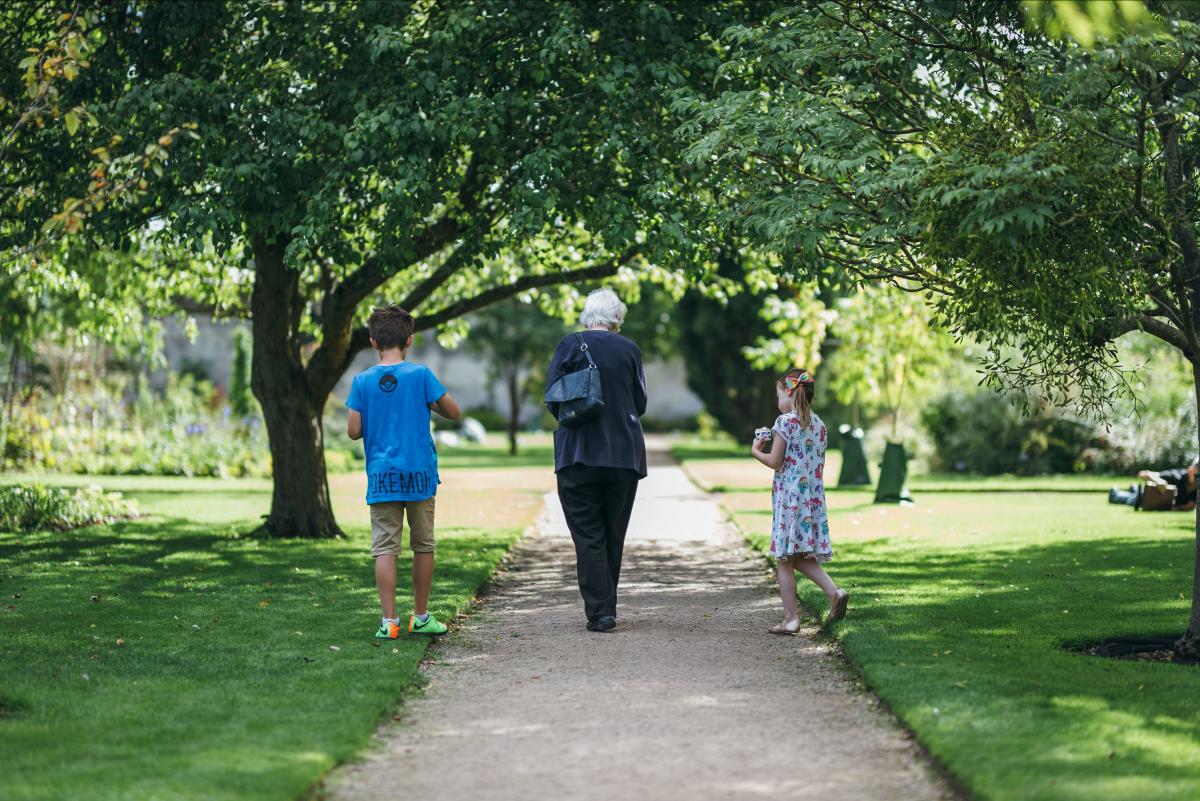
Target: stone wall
{"x": 463, "y": 374}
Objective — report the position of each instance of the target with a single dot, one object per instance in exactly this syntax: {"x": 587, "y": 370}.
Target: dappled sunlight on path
{"x": 688, "y": 698}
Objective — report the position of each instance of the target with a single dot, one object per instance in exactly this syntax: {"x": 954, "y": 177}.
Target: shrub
{"x": 982, "y": 432}
{"x": 1147, "y": 441}
{"x": 107, "y": 430}
{"x": 35, "y": 506}
{"x": 712, "y": 339}
{"x": 343, "y": 455}
{"x": 241, "y": 398}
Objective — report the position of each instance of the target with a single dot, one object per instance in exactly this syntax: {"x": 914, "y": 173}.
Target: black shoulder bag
{"x": 579, "y": 395}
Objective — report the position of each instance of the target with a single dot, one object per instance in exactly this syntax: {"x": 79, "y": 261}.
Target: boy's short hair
{"x": 390, "y": 326}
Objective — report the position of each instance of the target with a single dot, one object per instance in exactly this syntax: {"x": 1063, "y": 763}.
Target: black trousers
{"x": 597, "y": 502}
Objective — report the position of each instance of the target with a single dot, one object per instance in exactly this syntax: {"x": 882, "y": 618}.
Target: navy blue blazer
{"x": 614, "y": 439}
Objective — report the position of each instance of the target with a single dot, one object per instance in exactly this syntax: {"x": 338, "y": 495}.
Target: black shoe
{"x": 602, "y": 624}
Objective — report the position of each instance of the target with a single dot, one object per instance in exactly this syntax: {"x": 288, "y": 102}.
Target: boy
{"x": 389, "y": 408}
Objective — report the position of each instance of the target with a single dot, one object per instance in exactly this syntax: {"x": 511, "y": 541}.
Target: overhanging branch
{"x": 373, "y": 273}
{"x": 1110, "y": 328}
{"x": 499, "y": 293}
{"x": 361, "y": 340}
{"x": 454, "y": 262}
{"x": 330, "y": 360}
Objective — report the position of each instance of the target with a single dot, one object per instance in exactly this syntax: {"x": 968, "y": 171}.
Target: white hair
{"x": 603, "y": 307}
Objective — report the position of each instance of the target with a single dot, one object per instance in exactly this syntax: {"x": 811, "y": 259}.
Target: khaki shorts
{"x": 387, "y": 524}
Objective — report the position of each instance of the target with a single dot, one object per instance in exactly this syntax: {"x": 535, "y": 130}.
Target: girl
{"x": 800, "y": 526}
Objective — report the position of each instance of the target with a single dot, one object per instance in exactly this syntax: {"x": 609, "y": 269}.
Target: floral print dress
{"x": 800, "y": 526}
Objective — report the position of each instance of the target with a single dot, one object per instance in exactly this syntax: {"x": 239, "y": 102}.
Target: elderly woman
{"x": 599, "y": 463}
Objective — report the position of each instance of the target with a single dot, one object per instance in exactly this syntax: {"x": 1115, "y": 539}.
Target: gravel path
{"x": 688, "y": 698}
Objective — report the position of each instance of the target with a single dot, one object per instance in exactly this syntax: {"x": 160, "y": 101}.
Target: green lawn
{"x": 721, "y": 466}
{"x": 688, "y": 447}
{"x": 961, "y": 607}
{"x": 173, "y": 658}
{"x": 534, "y": 450}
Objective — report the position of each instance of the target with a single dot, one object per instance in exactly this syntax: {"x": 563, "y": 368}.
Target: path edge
{"x": 830, "y": 638}
{"x": 316, "y": 790}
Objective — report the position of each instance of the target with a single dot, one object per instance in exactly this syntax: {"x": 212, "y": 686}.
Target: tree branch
{"x": 929, "y": 27}
{"x": 374, "y": 273}
{"x": 499, "y": 293}
{"x": 360, "y": 339}
{"x": 329, "y": 360}
{"x": 454, "y": 262}
{"x": 342, "y": 302}
{"x": 1109, "y": 328}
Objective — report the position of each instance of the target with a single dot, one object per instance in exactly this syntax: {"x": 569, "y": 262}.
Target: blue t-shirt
{"x": 393, "y": 400}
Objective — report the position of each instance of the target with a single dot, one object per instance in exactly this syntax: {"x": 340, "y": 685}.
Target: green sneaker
{"x": 430, "y": 626}
{"x": 388, "y": 631}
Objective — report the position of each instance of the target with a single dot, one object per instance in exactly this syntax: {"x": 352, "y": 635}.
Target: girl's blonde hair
{"x": 800, "y": 387}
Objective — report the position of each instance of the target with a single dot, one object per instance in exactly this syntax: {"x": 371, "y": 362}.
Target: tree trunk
{"x": 300, "y": 493}
{"x": 514, "y": 408}
{"x": 300, "y": 496}
{"x": 10, "y": 393}
{"x": 1187, "y": 648}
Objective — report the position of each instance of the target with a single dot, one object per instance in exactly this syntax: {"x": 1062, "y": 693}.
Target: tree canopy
{"x": 444, "y": 155}
{"x": 51, "y": 283}
{"x": 513, "y": 339}
{"x": 1042, "y": 193}
{"x": 1026, "y": 183}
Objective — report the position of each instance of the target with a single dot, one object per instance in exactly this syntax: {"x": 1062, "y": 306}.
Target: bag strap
{"x": 583, "y": 346}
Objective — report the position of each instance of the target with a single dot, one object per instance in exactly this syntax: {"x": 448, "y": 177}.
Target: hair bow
{"x": 791, "y": 382}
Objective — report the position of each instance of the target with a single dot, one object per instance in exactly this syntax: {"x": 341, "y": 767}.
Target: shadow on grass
{"x": 148, "y": 556}
{"x": 968, "y": 647}
{"x": 208, "y": 665}
{"x": 940, "y": 485}
{"x": 934, "y": 487}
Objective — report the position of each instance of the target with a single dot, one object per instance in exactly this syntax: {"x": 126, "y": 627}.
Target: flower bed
{"x": 34, "y": 507}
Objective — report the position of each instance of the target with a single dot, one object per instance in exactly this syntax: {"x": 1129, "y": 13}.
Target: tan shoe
{"x": 837, "y": 610}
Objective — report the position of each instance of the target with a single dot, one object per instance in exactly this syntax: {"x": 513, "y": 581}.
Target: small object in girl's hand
{"x": 762, "y": 433}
